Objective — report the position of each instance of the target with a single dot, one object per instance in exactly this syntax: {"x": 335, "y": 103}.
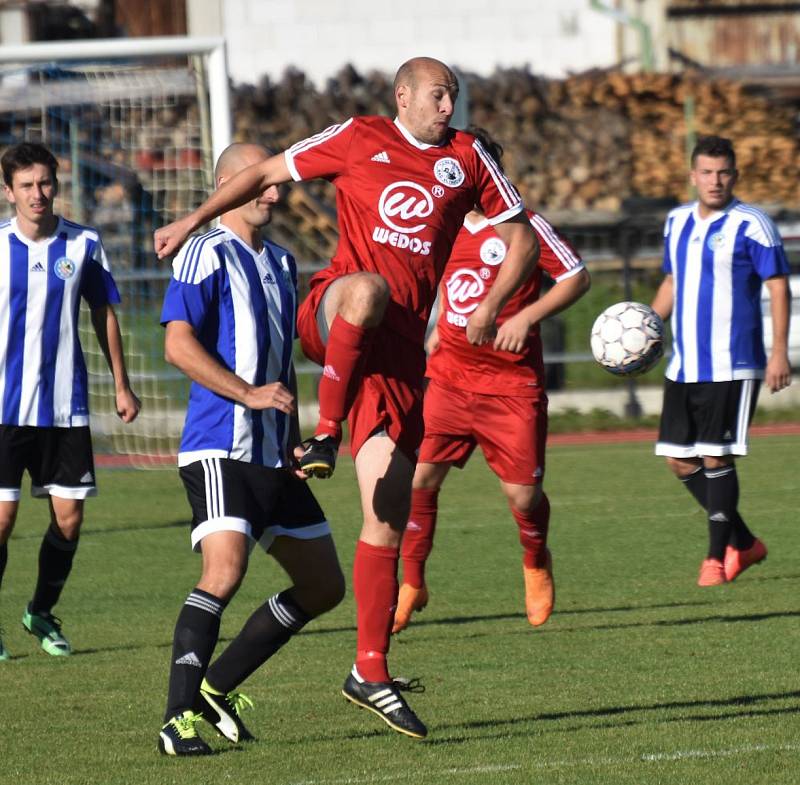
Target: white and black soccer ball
{"x": 628, "y": 338}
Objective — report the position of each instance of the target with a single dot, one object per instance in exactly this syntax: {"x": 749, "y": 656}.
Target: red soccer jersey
{"x": 471, "y": 269}
{"x": 401, "y": 204}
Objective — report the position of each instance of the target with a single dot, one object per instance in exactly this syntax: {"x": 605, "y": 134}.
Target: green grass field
{"x": 639, "y": 678}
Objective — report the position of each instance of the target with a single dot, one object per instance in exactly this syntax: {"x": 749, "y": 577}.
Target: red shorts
{"x": 390, "y": 398}
{"x": 511, "y": 431}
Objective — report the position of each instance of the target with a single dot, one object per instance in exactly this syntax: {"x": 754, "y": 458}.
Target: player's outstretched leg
{"x": 179, "y": 736}
{"x": 537, "y": 562}
{"x": 384, "y": 700}
{"x": 415, "y": 550}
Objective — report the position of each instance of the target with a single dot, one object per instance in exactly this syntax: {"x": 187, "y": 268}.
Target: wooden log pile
{"x": 585, "y": 143}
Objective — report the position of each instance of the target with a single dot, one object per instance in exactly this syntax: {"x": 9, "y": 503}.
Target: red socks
{"x": 375, "y": 591}
{"x": 533, "y": 528}
{"x": 345, "y": 354}
{"x": 418, "y": 537}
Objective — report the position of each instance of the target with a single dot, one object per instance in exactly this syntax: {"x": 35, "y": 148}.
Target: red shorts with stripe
{"x": 390, "y": 397}
{"x": 510, "y": 430}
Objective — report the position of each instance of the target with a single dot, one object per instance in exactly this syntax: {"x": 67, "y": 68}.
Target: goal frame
{"x": 213, "y": 49}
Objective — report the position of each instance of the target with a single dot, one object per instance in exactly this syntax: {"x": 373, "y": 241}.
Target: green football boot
{"x": 180, "y": 737}
{"x": 47, "y": 628}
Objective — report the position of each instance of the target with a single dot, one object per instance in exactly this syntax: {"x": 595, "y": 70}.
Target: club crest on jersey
{"x": 448, "y": 172}
{"x": 493, "y": 251}
{"x": 64, "y": 268}
{"x": 715, "y": 241}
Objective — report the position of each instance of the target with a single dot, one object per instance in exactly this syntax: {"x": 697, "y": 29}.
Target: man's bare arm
{"x": 662, "y": 302}
{"x": 779, "y": 372}
{"x": 521, "y": 256}
{"x": 513, "y": 333}
{"x": 245, "y": 185}
{"x": 185, "y": 352}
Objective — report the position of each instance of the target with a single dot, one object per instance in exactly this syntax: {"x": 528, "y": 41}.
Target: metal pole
{"x": 633, "y": 409}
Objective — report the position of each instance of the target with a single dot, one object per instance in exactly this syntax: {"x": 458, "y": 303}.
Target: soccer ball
{"x": 627, "y": 338}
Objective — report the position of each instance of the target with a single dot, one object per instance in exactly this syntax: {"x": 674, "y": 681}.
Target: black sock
{"x": 269, "y": 628}
{"x": 723, "y": 496}
{"x": 741, "y": 537}
{"x": 55, "y": 563}
{"x": 196, "y": 633}
{"x": 3, "y": 560}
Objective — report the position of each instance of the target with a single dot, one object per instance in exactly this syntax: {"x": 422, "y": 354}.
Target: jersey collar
{"x": 36, "y": 243}
{"x": 473, "y": 227}
{"x": 412, "y": 140}
{"x": 716, "y": 214}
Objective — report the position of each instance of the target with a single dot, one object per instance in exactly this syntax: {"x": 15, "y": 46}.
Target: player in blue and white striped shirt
{"x": 47, "y": 265}
{"x": 230, "y": 313}
{"x": 718, "y": 252}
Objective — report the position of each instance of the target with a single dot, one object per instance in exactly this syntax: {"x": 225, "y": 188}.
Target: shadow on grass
{"x": 88, "y": 531}
{"x": 742, "y": 701}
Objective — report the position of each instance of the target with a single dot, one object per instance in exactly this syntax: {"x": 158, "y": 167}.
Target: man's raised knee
{"x": 364, "y": 299}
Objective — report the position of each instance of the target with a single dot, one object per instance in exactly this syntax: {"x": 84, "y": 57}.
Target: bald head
{"x": 412, "y": 71}
{"x": 236, "y": 157}
{"x": 425, "y": 91}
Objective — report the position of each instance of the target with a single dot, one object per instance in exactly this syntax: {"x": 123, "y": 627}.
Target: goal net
{"x": 136, "y": 125}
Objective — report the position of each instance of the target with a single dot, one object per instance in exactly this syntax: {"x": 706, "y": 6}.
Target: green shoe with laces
{"x": 223, "y": 711}
{"x": 180, "y": 737}
{"x": 47, "y": 628}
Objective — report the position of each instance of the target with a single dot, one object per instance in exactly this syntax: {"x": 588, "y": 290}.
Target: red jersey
{"x": 401, "y": 204}
{"x": 471, "y": 270}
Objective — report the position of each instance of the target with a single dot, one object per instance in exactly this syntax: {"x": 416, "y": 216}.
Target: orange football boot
{"x": 540, "y": 591}
{"x": 712, "y": 573}
{"x": 736, "y": 562}
{"x": 409, "y": 600}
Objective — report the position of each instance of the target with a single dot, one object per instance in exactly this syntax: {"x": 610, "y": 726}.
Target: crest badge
{"x": 715, "y": 241}
{"x": 64, "y": 268}
{"x": 448, "y": 172}
{"x": 493, "y": 251}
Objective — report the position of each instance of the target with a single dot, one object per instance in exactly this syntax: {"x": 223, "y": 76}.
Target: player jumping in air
{"x": 403, "y": 189}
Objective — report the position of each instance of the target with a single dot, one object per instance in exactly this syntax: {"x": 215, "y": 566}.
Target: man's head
{"x": 425, "y": 91}
{"x": 713, "y": 172}
{"x": 233, "y": 159}
{"x": 29, "y": 174}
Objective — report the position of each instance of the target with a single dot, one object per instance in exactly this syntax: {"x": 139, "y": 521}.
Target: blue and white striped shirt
{"x": 242, "y": 306}
{"x": 718, "y": 265}
{"x": 43, "y": 380}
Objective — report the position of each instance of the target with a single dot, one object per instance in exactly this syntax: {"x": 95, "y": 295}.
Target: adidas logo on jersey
{"x": 37, "y": 268}
{"x": 330, "y": 372}
{"x": 268, "y": 278}
{"x": 189, "y": 659}
{"x": 382, "y": 157}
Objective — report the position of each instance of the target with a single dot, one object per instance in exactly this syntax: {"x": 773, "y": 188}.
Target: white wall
{"x": 553, "y": 37}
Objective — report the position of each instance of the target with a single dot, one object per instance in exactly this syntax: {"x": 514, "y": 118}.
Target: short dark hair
{"x": 23, "y": 156}
{"x": 714, "y": 147}
{"x": 495, "y": 149}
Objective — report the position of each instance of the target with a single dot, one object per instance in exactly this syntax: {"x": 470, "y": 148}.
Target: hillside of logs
{"x": 589, "y": 143}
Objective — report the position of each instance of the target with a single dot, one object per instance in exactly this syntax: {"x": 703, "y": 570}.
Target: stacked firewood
{"x": 587, "y": 143}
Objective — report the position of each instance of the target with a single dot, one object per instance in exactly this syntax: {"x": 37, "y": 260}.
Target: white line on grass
{"x": 653, "y": 757}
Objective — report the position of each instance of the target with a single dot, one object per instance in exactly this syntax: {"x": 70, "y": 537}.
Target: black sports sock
{"x": 3, "y": 560}
{"x": 269, "y": 628}
{"x": 196, "y": 633}
{"x": 55, "y": 563}
{"x": 741, "y": 537}
{"x": 723, "y": 496}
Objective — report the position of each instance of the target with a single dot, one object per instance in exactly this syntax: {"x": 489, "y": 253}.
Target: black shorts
{"x": 59, "y": 461}
{"x": 258, "y": 501}
{"x": 706, "y": 418}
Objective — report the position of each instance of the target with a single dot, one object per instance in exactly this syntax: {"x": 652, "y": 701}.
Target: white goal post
{"x": 136, "y": 125}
